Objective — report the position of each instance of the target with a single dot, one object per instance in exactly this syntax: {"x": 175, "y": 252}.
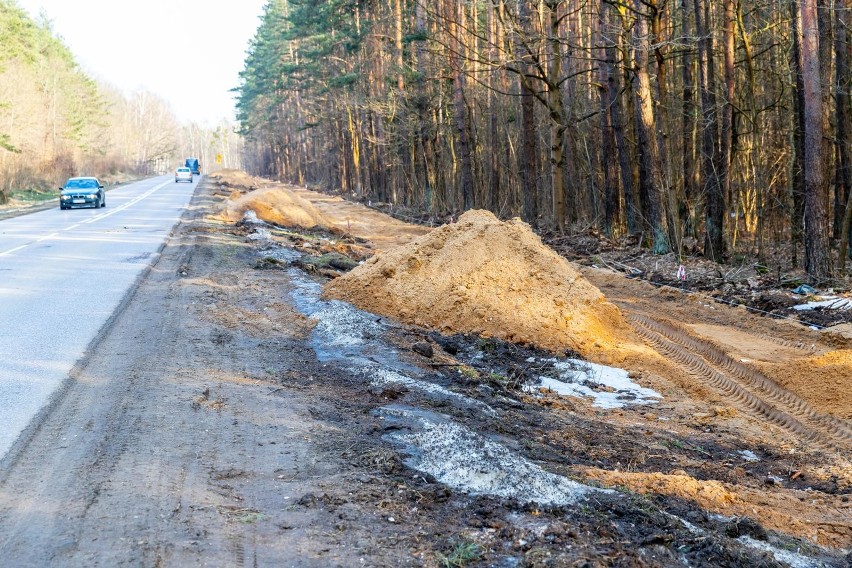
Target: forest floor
{"x": 254, "y": 420}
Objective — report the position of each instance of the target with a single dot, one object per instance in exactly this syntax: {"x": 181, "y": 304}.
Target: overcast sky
{"x": 189, "y": 52}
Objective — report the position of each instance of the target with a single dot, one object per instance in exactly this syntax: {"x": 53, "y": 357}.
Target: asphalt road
{"x": 62, "y": 275}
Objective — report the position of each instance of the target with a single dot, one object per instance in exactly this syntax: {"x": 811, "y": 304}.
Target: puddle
{"x": 609, "y": 387}
{"x": 462, "y": 459}
{"x": 352, "y": 338}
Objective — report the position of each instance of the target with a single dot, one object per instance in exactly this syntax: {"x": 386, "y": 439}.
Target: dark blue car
{"x": 82, "y": 192}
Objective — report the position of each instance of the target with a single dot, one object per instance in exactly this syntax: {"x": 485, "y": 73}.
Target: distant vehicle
{"x": 183, "y": 174}
{"x": 193, "y": 165}
{"x": 82, "y": 192}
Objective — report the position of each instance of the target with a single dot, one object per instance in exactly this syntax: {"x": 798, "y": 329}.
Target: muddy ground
{"x": 230, "y": 416}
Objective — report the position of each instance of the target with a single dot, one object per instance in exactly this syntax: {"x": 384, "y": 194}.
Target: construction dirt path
{"x": 232, "y": 416}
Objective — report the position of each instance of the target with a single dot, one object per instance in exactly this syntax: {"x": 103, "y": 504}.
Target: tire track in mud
{"x": 805, "y": 347}
{"x": 741, "y": 384}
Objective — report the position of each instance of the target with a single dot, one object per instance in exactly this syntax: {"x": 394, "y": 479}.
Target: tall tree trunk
{"x": 842, "y": 82}
{"x": 464, "y": 147}
{"x": 558, "y": 122}
{"x": 650, "y": 170}
{"x": 752, "y": 114}
{"x": 529, "y": 139}
{"x": 669, "y": 200}
{"x": 714, "y": 243}
{"x": 494, "y": 151}
{"x": 825, "y": 9}
{"x": 619, "y": 126}
{"x": 690, "y": 190}
{"x": 397, "y": 17}
{"x": 727, "y": 132}
{"x": 610, "y": 166}
{"x": 797, "y": 188}
{"x": 817, "y": 261}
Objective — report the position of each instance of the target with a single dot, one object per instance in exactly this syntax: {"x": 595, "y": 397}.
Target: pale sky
{"x": 188, "y": 52}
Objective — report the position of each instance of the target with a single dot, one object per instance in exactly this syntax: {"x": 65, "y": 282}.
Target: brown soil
{"x": 492, "y": 278}
{"x": 236, "y": 179}
{"x": 277, "y": 206}
{"x": 382, "y": 231}
{"x": 821, "y": 518}
{"x": 825, "y": 381}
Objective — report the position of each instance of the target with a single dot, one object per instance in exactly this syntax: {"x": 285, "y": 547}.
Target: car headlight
{"x": 92, "y": 195}
{"x": 64, "y": 197}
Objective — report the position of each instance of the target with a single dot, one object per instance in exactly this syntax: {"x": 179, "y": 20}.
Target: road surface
{"x": 62, "y": 275}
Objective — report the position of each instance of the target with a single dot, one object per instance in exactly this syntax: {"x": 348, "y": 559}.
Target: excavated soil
{"x": 274, "y": 205}
{"x": 824, "y": 381}
{"x": 823, "y": 519}
{"x": 492, "y": 278}
{"x": 236, "y": 179}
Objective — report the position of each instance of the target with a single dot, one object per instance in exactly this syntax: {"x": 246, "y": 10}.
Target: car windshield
{"x": 183, "y": 170}
{"x": 81, "y": 184}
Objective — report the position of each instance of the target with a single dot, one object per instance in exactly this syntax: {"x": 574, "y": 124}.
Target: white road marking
{"x": 130, "y": 203}
{"x": 16, "y": 249}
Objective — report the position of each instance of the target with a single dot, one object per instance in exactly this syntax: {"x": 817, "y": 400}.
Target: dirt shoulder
{"x": 231, "y": 417}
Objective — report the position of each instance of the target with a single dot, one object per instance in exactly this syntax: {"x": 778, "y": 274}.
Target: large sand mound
{"x": 494, "y": 278}
{"x": 278, "y": 206}
{"x": 236, "y": 178}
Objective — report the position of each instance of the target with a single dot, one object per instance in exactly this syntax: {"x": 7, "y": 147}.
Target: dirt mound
{"x": 275, "y": 205}
{"x": 494, "y": 278}
{"x": 237, "y": 179}
{"x": 822, "y": 380}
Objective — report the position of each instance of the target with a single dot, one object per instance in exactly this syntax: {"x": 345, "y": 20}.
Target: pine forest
{"x": 712, "y": 125}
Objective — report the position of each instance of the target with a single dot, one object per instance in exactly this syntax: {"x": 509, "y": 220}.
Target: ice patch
{"x": 794, "y": 559}
{"x": 828, "y": 302}
{"x": 610, "y": 387}
{"x": 462, "y": 459}
{"x": 346, "y": 335}
{"x": 748, "y": 456}
{"x": 380, "y": 377}
{"x": 282, "y": 254}
{"x": 260, "y": 234}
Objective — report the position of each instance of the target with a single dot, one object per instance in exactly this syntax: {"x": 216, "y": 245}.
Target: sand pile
{"x": 238, "y": 179}
{"x": 275, "y": 205}
{"x": 485, "y": 276}
{"x": 822, "y": 380}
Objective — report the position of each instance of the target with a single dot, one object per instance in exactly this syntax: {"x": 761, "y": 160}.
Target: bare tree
{"x": 817, "y": 258}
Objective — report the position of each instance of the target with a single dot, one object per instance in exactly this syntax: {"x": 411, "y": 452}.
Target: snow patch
{"x": 828, "y": 302}
{"x": 610, "y": 387}
{"x": 347, "y": 335}
{"x": 380, "y": 376}
{"x": 794, "y": 559}
{"x": 462, "y": 459}
{"x": 748, "y": 456}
